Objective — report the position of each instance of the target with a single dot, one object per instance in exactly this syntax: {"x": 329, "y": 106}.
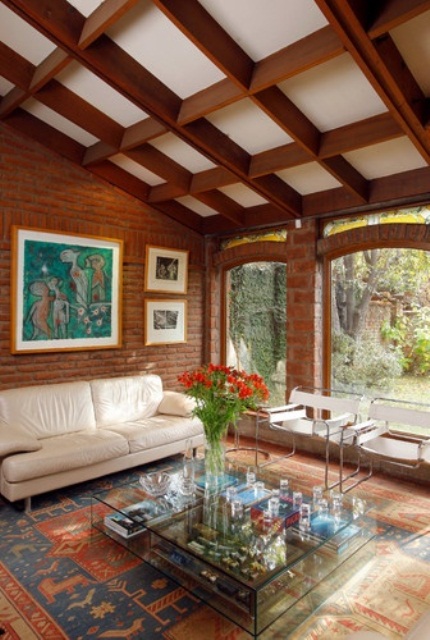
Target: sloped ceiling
{"x": 228, "y": 115}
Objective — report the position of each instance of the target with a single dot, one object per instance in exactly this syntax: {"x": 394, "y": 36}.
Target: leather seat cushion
{"x": 157, "y": 431}
{"x": 64, "y": 453}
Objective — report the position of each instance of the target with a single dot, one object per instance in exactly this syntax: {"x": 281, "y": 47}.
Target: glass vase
{"x": 214, "y": 464}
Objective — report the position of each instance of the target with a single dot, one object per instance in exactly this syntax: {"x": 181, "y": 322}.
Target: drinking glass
{"x": 251, "y": 476}
{"x": 305, "y": 517}
{"x": 284, "y": 487}
{"x": 297, "y": 498}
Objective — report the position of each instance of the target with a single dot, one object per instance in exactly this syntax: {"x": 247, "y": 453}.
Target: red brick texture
{"x": 42, "y": 190}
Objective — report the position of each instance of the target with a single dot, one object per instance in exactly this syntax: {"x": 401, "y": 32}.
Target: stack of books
{"x": 131, "y": 521}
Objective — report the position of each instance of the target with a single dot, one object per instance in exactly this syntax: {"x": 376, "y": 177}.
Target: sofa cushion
{"x": 14, "y": 440}
{"x": 176, "y": 404}
{"x": 125, "y": 399}
{"x": 44, "y": 411}
{"x": 63, "y": 453}
{"x": 158, "y": 431}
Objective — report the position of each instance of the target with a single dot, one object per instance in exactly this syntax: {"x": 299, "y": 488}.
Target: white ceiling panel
{"x": 100, "y": 95}
{"x": 249, "y": 127}
{"x": 387, "y": 158}
{"x": 243, "y": 195}
{"x": 136, "y": 170}
{"x": 5, "y": 86}
{"x": 149, "y": 37}
{"x": 21, "y": 37}
{"x": 56, "y": 121}
{"x": 413, "y": 41}
{"x": 308, "y": 178}
{"x": 260, "y": 27}
{"x": 197, "y": 206}
{"x": 226, "y": 128}
{"x": 334, "y": 94}
{"x": 182, "y": 153}
{"x": 86, "y": 7}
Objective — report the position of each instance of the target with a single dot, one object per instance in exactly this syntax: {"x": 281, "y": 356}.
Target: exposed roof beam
{"x": 393, "y": 13}
{"x": 199, "y": 26}
{"x": 102, "y": 18}
{"x": 350, "y": 19}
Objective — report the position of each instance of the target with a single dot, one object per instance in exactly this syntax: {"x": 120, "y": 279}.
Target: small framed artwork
{"x": 166, "y": 270}
{"x": 165, "y": 321}
{"x": 65, "y": 291}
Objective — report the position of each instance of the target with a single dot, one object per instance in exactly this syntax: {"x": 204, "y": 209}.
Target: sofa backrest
{"x": 48, "y": 410}
{"x": 125, "y": 399}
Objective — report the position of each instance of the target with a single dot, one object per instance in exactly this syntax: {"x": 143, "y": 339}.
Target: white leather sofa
{"x": 55, "y": 435}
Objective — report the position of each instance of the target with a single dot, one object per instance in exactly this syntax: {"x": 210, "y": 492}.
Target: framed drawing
{"x": 166, "y": 270}
{"x": 65, "y": 291}
{"x": 165, "y": 321}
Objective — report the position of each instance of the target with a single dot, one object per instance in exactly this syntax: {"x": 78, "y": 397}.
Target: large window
{"x": 256, "y": 322}
{"x": 380, "y": 323}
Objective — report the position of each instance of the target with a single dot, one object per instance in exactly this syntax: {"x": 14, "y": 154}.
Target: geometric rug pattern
{"x": 60, "y": 579}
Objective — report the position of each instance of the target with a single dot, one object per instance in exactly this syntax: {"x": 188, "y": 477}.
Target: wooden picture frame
{"x": 166, "y": 270}
{"x": 165, "y": 321}
{"x": 66, "y": 291}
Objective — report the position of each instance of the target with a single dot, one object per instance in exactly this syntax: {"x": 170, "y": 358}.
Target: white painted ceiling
{"x": 319, "y": 96}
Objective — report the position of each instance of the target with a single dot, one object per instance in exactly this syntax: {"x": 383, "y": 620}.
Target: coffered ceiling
{"x": 228, "y": 114}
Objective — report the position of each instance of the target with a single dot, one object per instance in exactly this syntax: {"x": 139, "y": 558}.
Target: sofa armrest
{"x": 175, "y": 403}
{"x": 15, "y": 440}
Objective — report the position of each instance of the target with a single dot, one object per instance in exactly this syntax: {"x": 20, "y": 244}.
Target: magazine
{"x": 131, "y": 520}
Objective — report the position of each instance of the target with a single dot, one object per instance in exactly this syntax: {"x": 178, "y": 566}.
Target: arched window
{"x": 255, "y": 322}
{"x": 377, "y": 314}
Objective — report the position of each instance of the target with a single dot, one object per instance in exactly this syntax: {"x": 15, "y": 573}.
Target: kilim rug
{"x": 59, "y": 579}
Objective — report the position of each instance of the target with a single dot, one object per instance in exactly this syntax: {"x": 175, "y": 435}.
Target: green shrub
{"x": 363, "y": 364}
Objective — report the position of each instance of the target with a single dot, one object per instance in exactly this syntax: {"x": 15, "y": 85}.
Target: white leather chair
{"x": 377, "y": 438}
{"x": 324, "y": 413}
{"x": 420, "y": 631}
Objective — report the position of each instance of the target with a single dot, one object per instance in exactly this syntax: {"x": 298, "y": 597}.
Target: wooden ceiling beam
{"x": 211, "y": 179}
{"x": 134, "y": 136}
{"x": 350, "y": 18}
{"x": 345, "y": 173}
{"x": 68, "y": 104}
{"x": 15, "y": 68}
{"x": 384, "y": 193}
{"x": 183, "y": 215}
{"x": 393, "y": 13}
{"x": 12, "y": 100}
{"x": 49, "y": 68}
{"x": 312, "y": 50}
{"x": 220, "y": 202}
{"x": 142, "y": 132}
{"x": 283, "y": 157}
{"x": 167, "y": 191}
{"x": 109, "y": 12}
{"x": 121, "y": 179}
{"x": 287, "y": 116}
{"x": 318, "y": 47}
{"x": 219, "y": 95}
{"x": 199, "y": 26}
{"x": 160, "y": 164}
{"x": 400, "y": 81}
{"x": 360, "y": 134}
{"x": 283, "y": 194}
{"x": 46, "y": 135}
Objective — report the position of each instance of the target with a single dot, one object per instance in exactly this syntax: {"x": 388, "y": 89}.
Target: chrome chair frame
{"x": 379, "y": 438}
{"x": 332, "y": 417}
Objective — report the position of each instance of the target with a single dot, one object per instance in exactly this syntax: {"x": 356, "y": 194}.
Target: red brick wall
{"x": 40, "y": 189}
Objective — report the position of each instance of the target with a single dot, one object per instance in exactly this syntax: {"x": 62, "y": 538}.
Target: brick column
{"x": 304, "y": 302}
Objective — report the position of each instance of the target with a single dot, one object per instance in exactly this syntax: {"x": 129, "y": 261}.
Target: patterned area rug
{"x": 60, "y": 579}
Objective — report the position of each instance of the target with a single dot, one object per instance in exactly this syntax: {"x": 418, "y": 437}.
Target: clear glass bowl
{"x": 156, "y": 483}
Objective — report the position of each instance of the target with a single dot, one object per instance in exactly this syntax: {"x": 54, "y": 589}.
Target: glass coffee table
{"x": 246, "y": 550}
